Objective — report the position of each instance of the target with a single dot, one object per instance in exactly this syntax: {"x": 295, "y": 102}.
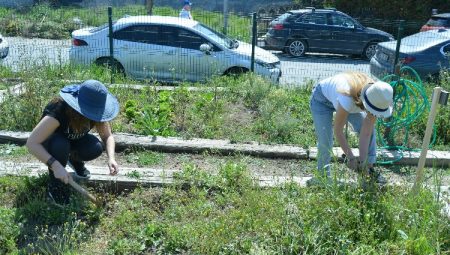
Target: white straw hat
{"x": 378, "y": 98}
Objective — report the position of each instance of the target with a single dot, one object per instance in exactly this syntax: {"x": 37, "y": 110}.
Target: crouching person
{"x": 62, "y": 136}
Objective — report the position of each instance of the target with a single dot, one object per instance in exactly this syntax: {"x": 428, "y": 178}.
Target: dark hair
{"x": 76, "y": 121}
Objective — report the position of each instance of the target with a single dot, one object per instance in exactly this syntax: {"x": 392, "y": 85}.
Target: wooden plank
{"x": 225, "y": 147}
{"x": 130, "y": 177}
{"x": 175, "y": 144}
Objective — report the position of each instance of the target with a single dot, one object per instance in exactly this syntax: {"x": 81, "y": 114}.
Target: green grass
{"x": 44, "y": 21}
{"x": 225, "y": 214}
{"x": 249, "y": 109}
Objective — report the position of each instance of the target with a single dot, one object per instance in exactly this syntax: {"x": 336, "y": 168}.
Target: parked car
{"x": 426, "y": 52}
{"x": 437, "y": 21}
{"x": 169, "y": 49}
{"x": 322, "y": 30}
{"x": 4, "y": 47}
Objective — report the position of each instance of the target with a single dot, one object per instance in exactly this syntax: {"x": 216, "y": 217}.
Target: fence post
{"x": 396, "y": 71}
{"x": 225, "y": 16}
{"x": 111, "y": 46}
{"x": 397, "y": 49}
{"x": 254, "y": 38}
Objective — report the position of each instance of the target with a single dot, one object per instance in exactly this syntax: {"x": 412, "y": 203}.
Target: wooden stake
{"x": 426, "y": 138}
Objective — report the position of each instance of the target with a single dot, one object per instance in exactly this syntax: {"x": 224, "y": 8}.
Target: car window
{"x": 139, "y": 33}
{"x": 313, "y": 18}
{"x": 438, "y": 22}
{"x": 283, "y": 16}
{"x": 181, "y": 38}
{"x": 341, "y": 21}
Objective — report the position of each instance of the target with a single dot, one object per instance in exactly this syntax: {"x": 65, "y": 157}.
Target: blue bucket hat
{"x": 92, "y": 100}
{"x": 187, "y": 2}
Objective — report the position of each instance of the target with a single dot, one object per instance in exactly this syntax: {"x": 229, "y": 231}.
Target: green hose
{"x": 410, "y": 102}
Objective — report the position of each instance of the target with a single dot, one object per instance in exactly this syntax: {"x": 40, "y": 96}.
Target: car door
{"x": 346, "y": 34}
{"x": 139, "y": 49}
{"x": 188, "y": 62}
{"x": 314, "y": 27}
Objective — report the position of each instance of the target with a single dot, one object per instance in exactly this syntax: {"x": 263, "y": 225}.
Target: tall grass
{"x": 227, "y": 213}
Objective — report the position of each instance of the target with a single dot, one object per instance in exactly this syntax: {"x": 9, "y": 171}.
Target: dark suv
{"x": 322, "y": 30}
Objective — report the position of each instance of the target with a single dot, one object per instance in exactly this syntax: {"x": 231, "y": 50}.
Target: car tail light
{"x": 278, "y": 27}
{"x": 408, "y": 59}
{"x": 78, "y": 42}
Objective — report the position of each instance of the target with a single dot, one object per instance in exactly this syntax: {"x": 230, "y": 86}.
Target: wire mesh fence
{"x": 295, "y": 43}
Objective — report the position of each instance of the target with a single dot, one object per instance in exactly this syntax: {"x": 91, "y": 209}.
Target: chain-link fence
{"x": 295, "y": 43}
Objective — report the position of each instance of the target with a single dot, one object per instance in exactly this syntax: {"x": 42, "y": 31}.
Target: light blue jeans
{"x": 322, "y": 112}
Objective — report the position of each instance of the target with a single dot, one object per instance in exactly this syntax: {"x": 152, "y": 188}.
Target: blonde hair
{"x": 357, "y": 81}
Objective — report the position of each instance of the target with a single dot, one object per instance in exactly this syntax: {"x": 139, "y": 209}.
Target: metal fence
{"x": 169, "y": 48}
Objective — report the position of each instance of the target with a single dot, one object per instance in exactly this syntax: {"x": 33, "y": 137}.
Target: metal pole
{"x": 225, "y": 16}
{"x": 111, "y": 46}
{"x": 254, "y": 37}
{"x": 397, "y": 49}
{"x": 396, "y": 71}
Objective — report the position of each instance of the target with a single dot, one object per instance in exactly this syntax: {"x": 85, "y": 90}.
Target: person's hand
{"x": 113, "y": 167}
{"x": 353, "y": 163}
{"x": 60, "y": 173}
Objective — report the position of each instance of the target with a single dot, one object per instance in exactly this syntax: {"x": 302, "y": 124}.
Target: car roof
{"x": 145, "y": 19}
{"x": 441, "y": 15}
{"x": 313, "y": 10}
{"x": 421, "y": 41}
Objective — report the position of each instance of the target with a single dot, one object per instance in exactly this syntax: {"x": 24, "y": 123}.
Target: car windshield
{"x": 217, "y": 37}
{"x": 438, "y": 22}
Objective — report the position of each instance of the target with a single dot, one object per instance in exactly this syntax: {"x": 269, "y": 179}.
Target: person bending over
{"x": 356, "y": 98}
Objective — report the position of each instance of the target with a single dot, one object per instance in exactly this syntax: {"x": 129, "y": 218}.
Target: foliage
{"x": 47, "y": 21}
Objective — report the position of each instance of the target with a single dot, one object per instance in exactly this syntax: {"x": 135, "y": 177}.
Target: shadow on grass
{"x": 48, "y": 229}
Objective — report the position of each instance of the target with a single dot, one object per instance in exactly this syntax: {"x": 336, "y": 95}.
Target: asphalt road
{"x": 24, "y": 52}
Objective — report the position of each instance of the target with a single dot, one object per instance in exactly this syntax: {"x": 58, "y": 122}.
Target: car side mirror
{"x": 206, "y": 48}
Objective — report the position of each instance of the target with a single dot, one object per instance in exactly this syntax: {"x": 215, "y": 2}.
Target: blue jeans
{"x": 74, "y": 151}
{"x": 322, "y": 112}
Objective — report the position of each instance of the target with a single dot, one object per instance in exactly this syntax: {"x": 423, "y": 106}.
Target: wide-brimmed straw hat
{"x": 92, "y": 100}
{"x": 378, "y": 98}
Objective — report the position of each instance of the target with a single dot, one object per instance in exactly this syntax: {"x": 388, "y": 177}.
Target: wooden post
{"x": 426, "y": 138}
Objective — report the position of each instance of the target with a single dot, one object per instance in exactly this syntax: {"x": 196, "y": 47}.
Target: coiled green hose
{"x": 410, "y": 102}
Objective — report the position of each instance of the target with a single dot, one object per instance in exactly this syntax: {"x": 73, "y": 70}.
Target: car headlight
{"x": 268, "y": 65}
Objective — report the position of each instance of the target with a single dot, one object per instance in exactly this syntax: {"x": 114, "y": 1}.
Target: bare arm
{"x": 364, "y": 136}
{"x": 104, "y": 130}
{"x": 40, "y": 133}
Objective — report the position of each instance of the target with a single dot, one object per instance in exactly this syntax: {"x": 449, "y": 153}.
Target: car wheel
{"x": 235, "y": 71}
{"x": 370, "y": 50}
{"x": 106, "y": 62}
{"x": 296, "y": 48}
